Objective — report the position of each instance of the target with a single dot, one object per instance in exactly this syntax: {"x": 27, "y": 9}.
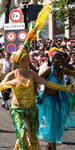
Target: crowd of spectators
{"x": 39, "y": 51}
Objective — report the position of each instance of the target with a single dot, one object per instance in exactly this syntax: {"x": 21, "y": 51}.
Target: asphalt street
{"x": 8, "y": 136}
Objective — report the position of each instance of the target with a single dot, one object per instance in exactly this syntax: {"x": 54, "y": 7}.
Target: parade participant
{"x": 53, "y": 108}
{"x": 23, "y": 109}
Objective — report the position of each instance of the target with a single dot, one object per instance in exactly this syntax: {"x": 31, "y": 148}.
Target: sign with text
{"x": 16, "y": 15}
{"x": 14, "y": 26}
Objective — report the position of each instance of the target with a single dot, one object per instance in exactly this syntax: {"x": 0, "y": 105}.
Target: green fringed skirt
{"x": 25, "y": 120}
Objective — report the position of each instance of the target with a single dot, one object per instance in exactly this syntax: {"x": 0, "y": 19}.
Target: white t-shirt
{"x": 43, "y": 67}
{"x": 68, "y": 44}
{"x": 6, "y": 66}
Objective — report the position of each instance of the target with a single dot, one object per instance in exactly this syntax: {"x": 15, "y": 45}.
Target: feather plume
{"x": 42, "y": 17}
{"x": 40, "y": 22}
{"x": 52, "y": 50}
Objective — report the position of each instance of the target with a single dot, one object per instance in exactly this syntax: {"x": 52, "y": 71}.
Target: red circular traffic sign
{"x": 11, "y": 47}
{"x": 11, "y": 36}
{"x": 20, "y": 46}
{"x": 22, "y": 36}
{"x": 15, "y": 15}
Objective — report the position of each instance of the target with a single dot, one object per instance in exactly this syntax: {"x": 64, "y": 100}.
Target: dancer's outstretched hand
{"x": 14, "y": 82}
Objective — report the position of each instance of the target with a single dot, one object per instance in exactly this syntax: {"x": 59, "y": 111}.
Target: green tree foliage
{"x": 63, "y": 9}
{"x": 1, "y": 7}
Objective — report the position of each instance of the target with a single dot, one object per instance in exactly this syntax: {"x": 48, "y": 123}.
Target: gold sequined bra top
{"x": 25, "y": 92}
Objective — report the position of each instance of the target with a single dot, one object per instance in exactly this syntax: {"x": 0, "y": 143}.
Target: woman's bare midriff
{"x": 15, "y": 100}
